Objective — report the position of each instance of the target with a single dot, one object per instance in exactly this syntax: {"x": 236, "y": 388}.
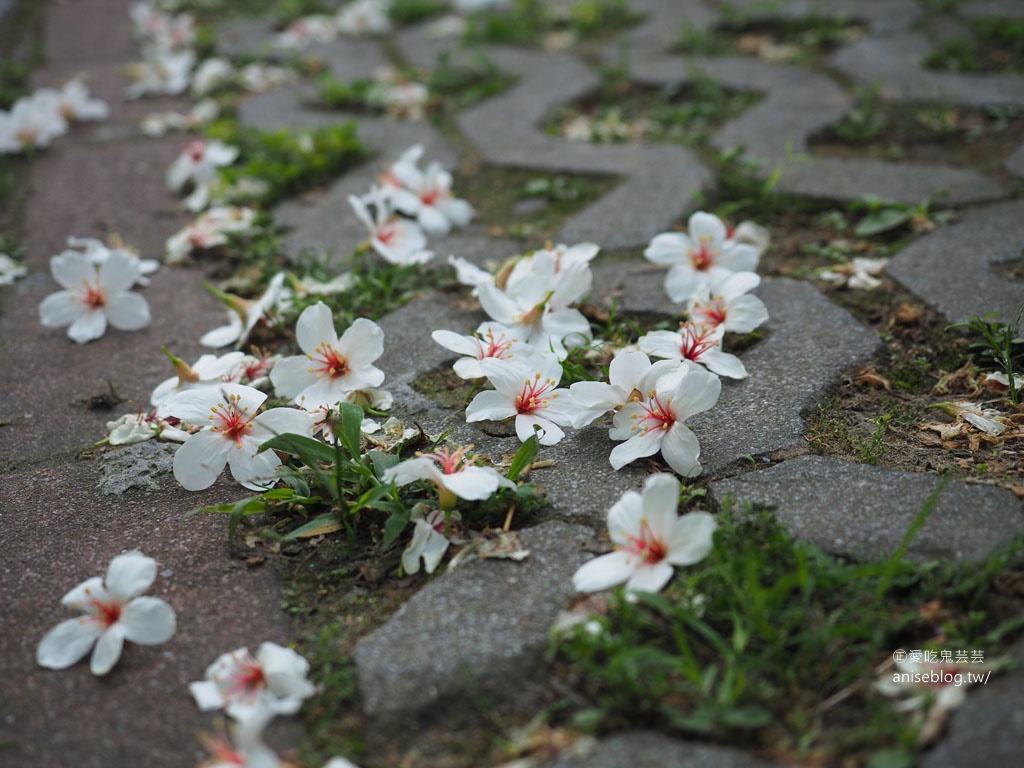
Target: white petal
{"x": 650, "y": 577}
{"x": 255, "y": 471}
{"x": 130, "y": 574}
{"x": 314, "y": 327}
{"x": 292, "y": 375}
{"x": 207, "y": 695}
{"x": 200, "y": 460}
{"x": 282, "y": 421}
{"x": 723, "y": 364}
{"x": 68, "y": 642}
{"x": 697, "y": 391}
{"x": 681, "y": 450}
{"x": 668, "y": 249}
{"x": 89, "y": 326}
{"x": 526, "y": 424}
{"x": 79, "y": 597}
{"x": 490, "y": 405}
{"x": 692, "y": 538}
{"x": 59, "y": 309}
{"x": 473, "y": 483}
{"x": 362, "y": 343}
{"x": 72, "y": 269}
{"x": 603, "y": 572}
{"x": 128, "y": 311}
{"x": 108, "y": 650}
{"x": 224, "y": 335}
{"x": 464, "y": 345}
{"x": 636, "y": 448}
{"x": 745, "y": 314}
{"x": 661, "y": 503}
{"x": 148, "y": 621}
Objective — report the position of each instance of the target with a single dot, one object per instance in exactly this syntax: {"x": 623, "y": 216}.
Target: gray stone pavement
{"x": 481, "y": 630}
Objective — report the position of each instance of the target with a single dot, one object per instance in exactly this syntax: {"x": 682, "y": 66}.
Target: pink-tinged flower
{"x": 364, "y": 17}
{"x": 656, "y": 423}
{"x": 859, "y": 273}
{"x": 245, "y": 747}
{"x": 387, "y": 180}
{"x": 453, "y": 473}
{"x": 525, "y": 389}
{"x": 331, "y": 366}
{"x": 650, "y": 539}
{"x": 198, "y": 162}
{"x": 396, "y": 240}
{"x": 74, "y": 103}
{"x": 31, "y": 124}
{"x": 94, "y": 296}
{"x": 208, "y": 370}
{"x": 731, "y": 307}
{"x": 427, "y": 196}
{"x": 630, "y": 375}
{"x": 703, "y": 255}
{"x": 139, "y": 427}
{"x": 695, "y": 344}
{"x": 491, "y": 340}
{"x": 243, "y": 314}
{"x": 231, "y": 431}
{"x": 275, "y": 679}
{"x": 113, "y": 613}
{"x": 254, "y": 369}
{"x": 304, "y": 32}
{"x": 431, "y": 535}
{"x": 159, "y": 123}
{"x": 164, "y": 72}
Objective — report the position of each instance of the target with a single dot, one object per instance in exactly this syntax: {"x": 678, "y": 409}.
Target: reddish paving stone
{"x": 58, "y": 531}
{"x": 88, "y": 31}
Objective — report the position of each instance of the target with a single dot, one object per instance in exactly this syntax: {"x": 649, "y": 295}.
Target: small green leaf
{"x": 382, "y": 461}
{"x": 318, "y": 526}
{"x": 350, "y": 433}
{"x": 523, "y": 458}
{"x": 396, "y": 523}
{"x": 750, "y": 718}
{"x": 880, "y": 221}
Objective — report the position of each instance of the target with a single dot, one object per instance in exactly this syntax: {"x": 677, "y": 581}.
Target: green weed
{"x": 771, "y": 643}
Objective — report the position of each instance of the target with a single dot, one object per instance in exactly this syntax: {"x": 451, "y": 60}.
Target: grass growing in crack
{"x": 864, "y": 122}
{"x": 771, "y": 643}
{"x": 1000, "y": 345}
{"x": 993, "y": 45}
{"x": 799, "y": 40}
{"x": 285, "y": 162}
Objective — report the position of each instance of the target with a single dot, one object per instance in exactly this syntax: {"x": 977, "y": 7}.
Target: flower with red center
{"x": 331, "y": 366}
{"x": 396, "y": 240}
{"x": 703, "y": 255}
{"x": 524, "y": 389}
{"x": 650, "y": 539}
{"x": 274, "y": 679}
{"x": 433, "y": 531}
{"x": 453, "y": 473}
{"x": 113, "y": 613}
{"x": 657, "y": 421}
{"x": 33, "y": 122}
{"x": 426, "y": 195}
{"x": 94, "y": 296}
{"x": 694, "y": 344}
{"x": 731, "y": 307}
{"x": 198, "y": 163}
{"x": 231, "y": 431}
{"x": 630, "y": 374}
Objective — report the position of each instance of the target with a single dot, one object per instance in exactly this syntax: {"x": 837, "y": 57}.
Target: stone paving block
{"x": 472, "y": 634}
{"x": 660, "y": 181}
{"x": 882, "y": 16}
{"x": 863, "y": 511}
{"x": 88, "y": 32}
{"x": 59, "y": 531}
{"x": 957, "y": 268}
{"x": 1006, "y": 9}
{"x": 649, "y": 749}
{"x": 894, "y": 63}
{"x": 989, "y": 728}
{"x": 798, "y": 103}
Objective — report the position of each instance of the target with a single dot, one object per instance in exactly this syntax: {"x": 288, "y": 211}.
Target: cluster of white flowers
{"x": 33, "y": 122}
{"x": 399, "y": 96}
{"x": 195, "y": 170}
{"x": 167, "y": 41}
{"x": 356, "y": 18}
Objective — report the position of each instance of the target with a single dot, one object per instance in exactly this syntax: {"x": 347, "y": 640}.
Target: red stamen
{"x": 532, "y": 398}
{"x": 695, "y": 341}
{"x": 329, "y": 362}
{"x": 647, "y": 546}
{"x": 658, "y": 415}
{"x": 234, "y": 423}
{"x": 450, "y": 461}
{"x": 711, "y": 314}
{"x": 493, "y": 347}
{"x": 703, "y": 258}
{"x": 94, "y": 297}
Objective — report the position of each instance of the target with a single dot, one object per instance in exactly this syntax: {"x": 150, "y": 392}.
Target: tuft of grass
{"x": 771, "y": 643}
{"x": 993, "y": 45}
